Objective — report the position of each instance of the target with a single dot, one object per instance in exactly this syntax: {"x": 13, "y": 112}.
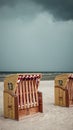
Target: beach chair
{"x": 21, "y": 95}
{"x": 64, "y": 90}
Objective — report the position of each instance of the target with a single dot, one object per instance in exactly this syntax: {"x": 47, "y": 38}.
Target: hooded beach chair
{"x": 21, "y": 95}
{"x": 64, "y": 90}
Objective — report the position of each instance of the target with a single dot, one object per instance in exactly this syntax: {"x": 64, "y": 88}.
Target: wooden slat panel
{"x": 24, "y": 93}
{"x": 21, "y": 102}
{"x": 5, "y": 104}
{"x": 36, "y": 94}
{"x": 30, "y": 93}
{"x": 56, "y": 96}
{"x": 70, "y": 91}
{"x": 60, "y": 97}
{"x": 40, "y": 102}
{"x": 17, "y": 93}
{"x": 33, "y": 93}
{"x": 27, "y": 94}
{"x": 64, "y": 98}
{"x": 9, "y": 107}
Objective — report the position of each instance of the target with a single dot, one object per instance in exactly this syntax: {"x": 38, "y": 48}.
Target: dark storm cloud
{"x": 61, "y": 9}
{"x": 11, "y": 2}
{"x": 24, "y": 9}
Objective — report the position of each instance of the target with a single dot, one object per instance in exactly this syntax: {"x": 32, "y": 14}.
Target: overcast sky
{"x": 36, "y": 35}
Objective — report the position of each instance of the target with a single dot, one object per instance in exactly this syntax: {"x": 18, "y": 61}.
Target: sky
{"x": 36, "y": 35}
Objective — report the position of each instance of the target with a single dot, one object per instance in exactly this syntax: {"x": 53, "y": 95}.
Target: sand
{"x": 52, "y": 118}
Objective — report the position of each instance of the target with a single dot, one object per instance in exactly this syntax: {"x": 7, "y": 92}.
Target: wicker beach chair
{"x": 21, "y": 95}
{"x": 64, "y": 90}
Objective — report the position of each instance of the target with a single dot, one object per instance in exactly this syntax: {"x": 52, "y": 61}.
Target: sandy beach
{"x": 52, "y": 118}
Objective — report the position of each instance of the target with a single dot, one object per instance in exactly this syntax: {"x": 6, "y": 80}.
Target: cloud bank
{"x": 60, "y": 9}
